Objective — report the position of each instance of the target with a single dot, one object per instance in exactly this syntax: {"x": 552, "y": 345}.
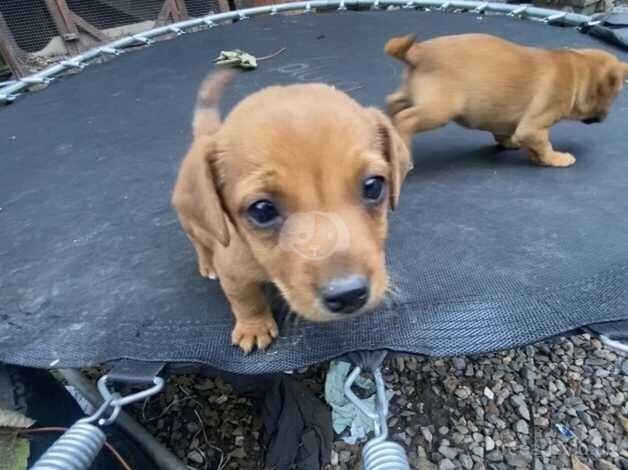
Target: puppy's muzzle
{"x": 346, "y": 294}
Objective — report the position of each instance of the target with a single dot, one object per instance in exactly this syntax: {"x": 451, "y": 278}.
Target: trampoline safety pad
{"x": 486, "y": 251}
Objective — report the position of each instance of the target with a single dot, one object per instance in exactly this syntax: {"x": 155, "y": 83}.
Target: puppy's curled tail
{"x": 207, "y": 114}
{"x": 404, "y": 48}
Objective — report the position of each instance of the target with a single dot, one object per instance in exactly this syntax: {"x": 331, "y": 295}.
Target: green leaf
{"x": 237, "y": 58}
{"x": 13, "y": 419}
{"x": 14, "y": 452}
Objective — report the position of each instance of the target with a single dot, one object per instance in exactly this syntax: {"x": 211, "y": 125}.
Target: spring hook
{"x": 77, "y": 448}
{"x": 379, "y": 453}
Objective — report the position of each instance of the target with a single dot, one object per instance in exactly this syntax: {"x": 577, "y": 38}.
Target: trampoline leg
{"x": 379, "y": 453}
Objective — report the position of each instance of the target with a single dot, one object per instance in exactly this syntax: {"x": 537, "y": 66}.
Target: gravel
{"x": 556, "y": 405}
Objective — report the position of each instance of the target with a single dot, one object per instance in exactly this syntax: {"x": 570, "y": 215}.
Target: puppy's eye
{"x": 373, "y": 189}
{"x": 263, "y": 213}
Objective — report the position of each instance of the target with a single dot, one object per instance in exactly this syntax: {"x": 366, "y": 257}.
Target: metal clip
{"x": 35, "y": 80}
{"x": 110, "y": 50}
{"x": 379, "y": 453}
{"x": 342, "y": 5}
{"x": 445, "y": 6}
{"x": 242, "y": 16}
{"x": 480, "y": 9}
{"x": 308, "y": 8}
{"x": 519, "y": 12}
{"x": 116, "y": 401}
{"x": 176, "y": 30}
{"x": 273, "y": 11}
{"x": 142, "y": 39}
{"x": 8, "y": 97}
{"x": 409, "y": 5}
{"x": 208, "y": 21}
{"x": 375, "y": 5}
{"x": 73, "y": 63}
{"x": 556, "y": 17}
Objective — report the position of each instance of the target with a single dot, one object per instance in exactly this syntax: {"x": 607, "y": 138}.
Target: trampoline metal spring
{"x": 384, "y": 455}
{"x": 76, "y": 449}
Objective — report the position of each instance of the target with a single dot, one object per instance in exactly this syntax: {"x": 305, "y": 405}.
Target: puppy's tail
{"x": 404, "y": 48}
{"x": 207, "y": 115}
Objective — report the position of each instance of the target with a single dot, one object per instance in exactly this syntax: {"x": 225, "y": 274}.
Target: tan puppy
{"x": 515, "y": 92}
{"x": 292, "y": 188}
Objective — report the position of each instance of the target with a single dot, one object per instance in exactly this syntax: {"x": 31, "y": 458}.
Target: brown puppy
{"x": 515, "y": 92}
{"x": 292, "y": 188}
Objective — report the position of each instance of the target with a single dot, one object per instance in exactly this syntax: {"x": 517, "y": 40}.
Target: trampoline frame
{"x": 12, "y": 89}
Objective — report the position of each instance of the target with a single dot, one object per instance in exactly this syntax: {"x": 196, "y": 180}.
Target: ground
{"x": 556, "y": 405}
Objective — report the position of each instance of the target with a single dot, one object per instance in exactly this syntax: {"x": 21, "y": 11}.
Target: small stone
{"x": 478, "y": 451}
{"x": 595, "y": 438}
{"x": 459, "y": 363}
{"x": 517, "y": 461}
{"x": 427, "y": 434}
{"x": 495, "y": 456}
{"x": 489, "y": 444}
{"x": 448, "y": 452}
{"x": 344, "y": 456}
{"x": 196, "y": 457}
{"x": 466, "y": 461}
{"x": 521, "y": 427}
{"x": 576, "y": 464}
{"x": 239, "y": 441}
{"x": 624, "y": 367}
{"x": 334, "y": 458}
{"x": 488, "y": 393}
{"x": 586, "y": 418}
{"x": 617, "y": 399}
{"x": 524, "y": 412}
{"x": 463, "y": 392}
{"x": 624, "y": 422}
{"x": 446, "y": 464}
{"x": 443, "y": 430}
{"x": 424, "y": 462}
{"x": 605, "y": 465}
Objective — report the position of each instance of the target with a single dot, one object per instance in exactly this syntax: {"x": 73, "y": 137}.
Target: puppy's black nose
{"x": 346, "y": 294}
{"x": 593, "y": 120}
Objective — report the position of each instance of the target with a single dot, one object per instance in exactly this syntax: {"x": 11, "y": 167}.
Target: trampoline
{"x": 486, "y": 252}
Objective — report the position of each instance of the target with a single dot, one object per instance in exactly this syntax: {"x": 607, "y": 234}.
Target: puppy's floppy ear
{"x": 395, "y": 151}
{"x": 196, "y": 197}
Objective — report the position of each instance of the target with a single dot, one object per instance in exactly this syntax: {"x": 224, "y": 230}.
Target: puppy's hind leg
{"x": 431, "y": 113}
{"x": 397, "y": 102}
{"x": 536, "y": 142}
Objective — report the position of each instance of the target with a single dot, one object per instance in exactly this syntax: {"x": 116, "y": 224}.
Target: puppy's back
{"x": 480, "y": 67}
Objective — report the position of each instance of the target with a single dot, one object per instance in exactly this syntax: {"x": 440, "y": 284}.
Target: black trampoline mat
{"x": 486, "y": 251}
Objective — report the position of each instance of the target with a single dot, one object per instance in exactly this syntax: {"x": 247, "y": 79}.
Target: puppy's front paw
{"x": 257, "y": 332}
{"x": 558, "y": 159}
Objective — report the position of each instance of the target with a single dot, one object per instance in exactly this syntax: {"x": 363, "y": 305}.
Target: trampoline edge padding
{"x": 486, "y": 252}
